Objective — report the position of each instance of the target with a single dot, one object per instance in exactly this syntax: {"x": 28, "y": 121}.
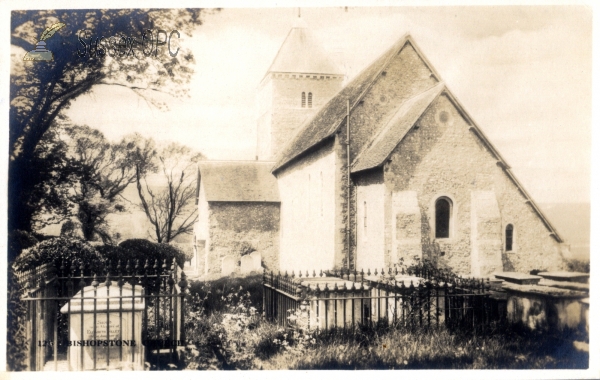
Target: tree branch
{"x": 134, "y": 87}
{"x": 18, "y": 41}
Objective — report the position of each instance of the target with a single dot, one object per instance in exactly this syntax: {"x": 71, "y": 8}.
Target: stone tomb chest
{"x": 583, "y": 278}
{"x": 106, "y": 335}
{"x": 518, "y": 278}
{"x": 327, "y": 310}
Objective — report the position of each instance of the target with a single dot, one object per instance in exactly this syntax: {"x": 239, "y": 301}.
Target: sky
{"x": 524, "y": 73}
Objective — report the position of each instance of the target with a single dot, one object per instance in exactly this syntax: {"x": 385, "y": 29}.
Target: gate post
{"x": 183, "y": 283}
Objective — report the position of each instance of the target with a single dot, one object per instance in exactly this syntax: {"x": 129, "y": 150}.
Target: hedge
{"x": 141, "y": 249}
{"x": 58, "y": 251}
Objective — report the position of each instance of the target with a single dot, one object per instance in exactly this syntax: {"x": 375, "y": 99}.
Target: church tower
{"x": 301, "y": 80}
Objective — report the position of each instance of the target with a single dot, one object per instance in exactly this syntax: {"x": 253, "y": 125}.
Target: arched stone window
{"x": 443, "y": 215}
{"x": 310, "y": 100}
{"x": 509, "y": 238}
{"x": 304, "y": 100}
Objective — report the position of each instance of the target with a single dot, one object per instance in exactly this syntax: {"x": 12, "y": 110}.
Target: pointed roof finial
{"x": 299, "y": 23}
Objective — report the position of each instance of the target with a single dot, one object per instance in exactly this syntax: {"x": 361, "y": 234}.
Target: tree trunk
{"x": 20, "y": 212}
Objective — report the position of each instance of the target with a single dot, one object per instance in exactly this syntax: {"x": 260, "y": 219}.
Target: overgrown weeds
{"x": 433, "y": 349}
{"x": 227, "y": 331}
{"x": 214, "y": 293}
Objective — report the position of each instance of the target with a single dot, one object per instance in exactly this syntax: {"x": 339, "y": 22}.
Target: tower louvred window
{"x": 304, "y": 100}
{"x": 310, "y": 100}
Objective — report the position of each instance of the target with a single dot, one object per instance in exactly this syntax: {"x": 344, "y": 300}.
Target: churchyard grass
{"x": 227, "y": 331}
{"x": 434, "y": 349}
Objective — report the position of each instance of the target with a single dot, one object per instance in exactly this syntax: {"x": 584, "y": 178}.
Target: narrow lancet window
{"x": 509, "y": 238}
{"x": 443, "y": 211}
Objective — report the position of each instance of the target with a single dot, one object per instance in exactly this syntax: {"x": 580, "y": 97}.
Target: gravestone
{"x": 257, "y": 259}
{"x": 107, "y": 333}
{"x": 247, "y": 264}
{"x": 227, "y": 265}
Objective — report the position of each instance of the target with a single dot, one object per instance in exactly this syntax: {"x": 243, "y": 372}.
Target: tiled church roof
{"x": 237, "y": 181}
{"x": 395, "y": 129}
{"x": 301, "y": 53}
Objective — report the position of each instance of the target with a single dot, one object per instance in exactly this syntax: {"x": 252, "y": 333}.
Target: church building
{"x": 384, "y": 170}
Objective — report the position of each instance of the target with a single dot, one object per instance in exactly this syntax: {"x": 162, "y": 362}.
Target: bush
{"x": 438, "y": 348}
{"x": 71, "y": 229}
{"x": 215, "y": 292}
{"x": 535, "y": 272}
{"x": 222, "y": 340}
{"x": 269, "y": 344}
{"x": 16, "y": 342}
{"x": 243, "y": 248}
{"x": 427, "y": 267}
{"x": 141, "y": 249}
{"x": 224, "y": 327}
{"x": 18, "y": 241}
{"x": 114, "y": 253}
{"x": 575, "y": 265}
{"x": 58, "y": 251}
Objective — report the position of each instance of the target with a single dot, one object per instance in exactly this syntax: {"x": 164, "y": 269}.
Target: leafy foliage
{"x": 214, "y": 292}
{"x": 58, "y": 251}
{"x": 223, "y": 340}
{"x": 100, "y": 172}
{"x": 18, "y": 241}
{"x": 141, "y": 249}
{"x": 40, "y": 92}
{"x": 16, "y": 342}
{"x": 242, "y": 248}
{"x": 575, "y": 265}
{"x": 43, "y": 189}
{"x": 430, "y": 270}
{"x": 224, "y": 334}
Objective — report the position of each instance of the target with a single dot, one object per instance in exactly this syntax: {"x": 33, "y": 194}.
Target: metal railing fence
{"x": 349, "y": 299}
{"x": 131, "y": 305}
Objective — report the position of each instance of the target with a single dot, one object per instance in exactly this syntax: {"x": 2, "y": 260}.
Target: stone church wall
{"x": 344, "y": 257}
{"x": 231, "y": 224}
{"x": 405, "y": 228}
{"x": 406, "y": 76}
{"x": 370, "y": 220}
{"x": 280, "y": 105}
{"x": 308, "y": 211}
{"x": 443, "y": 157}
